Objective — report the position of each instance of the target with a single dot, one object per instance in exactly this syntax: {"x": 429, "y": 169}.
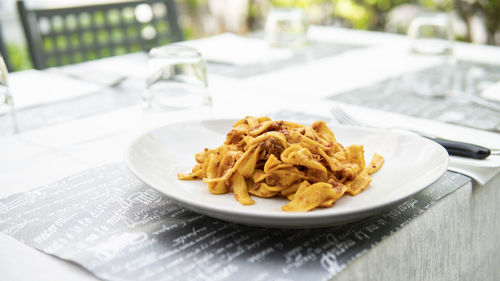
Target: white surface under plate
{"x": 411, "y": 164}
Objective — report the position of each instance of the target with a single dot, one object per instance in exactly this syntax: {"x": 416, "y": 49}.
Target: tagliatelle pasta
{"x": 266, "y": 158}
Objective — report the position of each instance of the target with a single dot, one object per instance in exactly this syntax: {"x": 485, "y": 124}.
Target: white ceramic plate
{"x": 411, "y": 164}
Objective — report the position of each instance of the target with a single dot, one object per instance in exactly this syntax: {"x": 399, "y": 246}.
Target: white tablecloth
{"x": 453, "y": 240}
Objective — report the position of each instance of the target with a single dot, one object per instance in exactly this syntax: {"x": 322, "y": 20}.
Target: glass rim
{"x": 288, "y": 9}
{"x": 174, "y": 51}
{"x": 433, "y": 14}
{"x": 431, "y": 19}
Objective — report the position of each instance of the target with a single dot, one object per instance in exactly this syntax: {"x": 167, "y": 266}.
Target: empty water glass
{"x": 176, "y": 79}
{"x": 286, "y": 27}
{"x": 8, "y": 123}
{"x": 431, "y": 35}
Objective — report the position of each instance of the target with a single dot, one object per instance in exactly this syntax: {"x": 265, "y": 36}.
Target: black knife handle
{"x": 464, "y": 149}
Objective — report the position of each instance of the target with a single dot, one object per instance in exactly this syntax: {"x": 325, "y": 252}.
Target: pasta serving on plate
{"x": 267, "y": 158}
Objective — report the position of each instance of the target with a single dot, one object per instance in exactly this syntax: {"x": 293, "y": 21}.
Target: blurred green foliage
{"x": 372, "y": 14}
{"x": 19, "y": 56}
{"x": 364, "y": 14}
{"x": 358, "y": 14}
{"x": 486, "y": 10}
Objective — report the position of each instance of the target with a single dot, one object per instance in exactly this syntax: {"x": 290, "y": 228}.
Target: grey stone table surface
{"x": 457, "y": 239}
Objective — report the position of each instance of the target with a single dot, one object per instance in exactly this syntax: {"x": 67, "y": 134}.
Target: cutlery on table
{"x": 453, "y": 147}
{"x": 476, "y": 100}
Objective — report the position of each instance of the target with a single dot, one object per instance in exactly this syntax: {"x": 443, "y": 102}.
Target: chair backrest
{"x": 3, "y": 51}
{"x": 59, "y": 36}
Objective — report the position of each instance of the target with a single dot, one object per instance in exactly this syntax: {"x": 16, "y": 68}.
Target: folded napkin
{"x": 480, "y": 174}
{"x": 108, "y": 71}
{"x": 480, "y": 170}
{"x": 34, "y": 87}
{"x": 492, "y": 92}
{"x": 237, "y": 50}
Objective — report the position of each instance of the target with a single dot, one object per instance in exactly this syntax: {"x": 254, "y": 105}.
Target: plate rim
{"x": 288, "y": 216}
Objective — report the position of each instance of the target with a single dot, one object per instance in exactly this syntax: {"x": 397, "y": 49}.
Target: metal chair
{"x": 3, "y": 51}
{"x": 59, "y": 36}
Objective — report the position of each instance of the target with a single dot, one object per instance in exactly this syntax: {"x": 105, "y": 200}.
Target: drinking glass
{"x": 431, "y": 36}
{"x": 8, "y": 124}
{"x": 286, "y": 27}
{"x": 176, "y": 79}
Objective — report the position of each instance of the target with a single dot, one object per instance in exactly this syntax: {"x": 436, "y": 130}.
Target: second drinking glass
{"x": 431, "y": 36}
{"x": 176, "y": 78}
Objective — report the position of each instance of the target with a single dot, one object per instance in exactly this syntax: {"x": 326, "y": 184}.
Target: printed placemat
{"x": 400, "y": 95}
{"x": 316, "y": 50}
{"x": 118, "y": 228}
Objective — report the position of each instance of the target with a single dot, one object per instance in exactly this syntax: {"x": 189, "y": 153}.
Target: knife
{"x": 453, "y": 147}
{"x": 458, "y": 148}
{"x": 464, "y": 149}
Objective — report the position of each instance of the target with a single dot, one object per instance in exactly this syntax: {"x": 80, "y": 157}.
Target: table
{"x": 454, "y": 240}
